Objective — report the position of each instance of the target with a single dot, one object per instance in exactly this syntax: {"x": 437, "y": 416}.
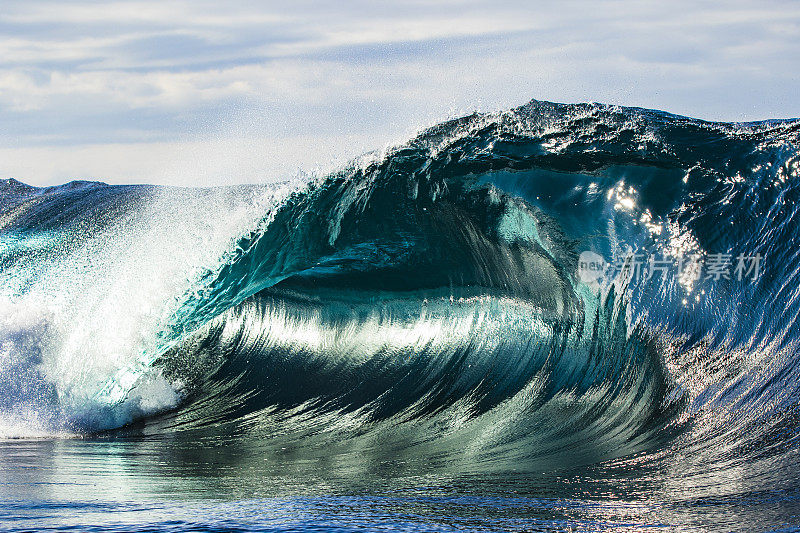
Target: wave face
{"x": 427, "y": 303}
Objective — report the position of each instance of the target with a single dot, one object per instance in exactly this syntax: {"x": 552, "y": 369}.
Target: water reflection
{"x": 183, "y": 485}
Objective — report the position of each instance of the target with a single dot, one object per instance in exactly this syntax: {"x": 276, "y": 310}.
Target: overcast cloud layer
{"x": 199, "y": 93}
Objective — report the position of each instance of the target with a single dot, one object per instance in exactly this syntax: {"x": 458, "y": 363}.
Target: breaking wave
{"x": 427, "y": 302}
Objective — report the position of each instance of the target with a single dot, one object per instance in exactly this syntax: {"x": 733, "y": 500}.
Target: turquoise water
{"x": 413, "y": 343}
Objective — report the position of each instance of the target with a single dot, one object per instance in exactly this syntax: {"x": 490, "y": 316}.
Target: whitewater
{"x": 413, "y": 341}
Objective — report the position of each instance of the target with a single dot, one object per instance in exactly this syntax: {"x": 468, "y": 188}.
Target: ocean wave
{"x": 428, "y": 298}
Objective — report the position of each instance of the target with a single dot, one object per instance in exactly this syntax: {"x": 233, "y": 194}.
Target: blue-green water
{"x": 413, "y": 343}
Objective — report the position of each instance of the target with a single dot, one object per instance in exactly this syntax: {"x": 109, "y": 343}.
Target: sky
{"x": 212, "y": 93}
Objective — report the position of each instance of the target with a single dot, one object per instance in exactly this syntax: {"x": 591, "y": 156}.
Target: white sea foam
{"x": 75, "y": 318}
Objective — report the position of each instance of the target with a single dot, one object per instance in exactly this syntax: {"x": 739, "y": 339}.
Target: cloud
{"x": 188, "y": 162}
{"x": 102, "y": 74}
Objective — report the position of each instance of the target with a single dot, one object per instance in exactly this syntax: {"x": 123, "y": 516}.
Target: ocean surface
{"x": 557, "y": 317}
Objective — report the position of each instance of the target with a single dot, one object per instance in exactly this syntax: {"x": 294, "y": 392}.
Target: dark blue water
{"x": 569, "y": 317}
